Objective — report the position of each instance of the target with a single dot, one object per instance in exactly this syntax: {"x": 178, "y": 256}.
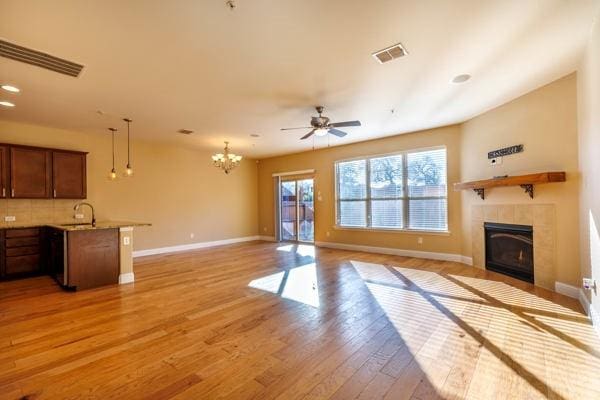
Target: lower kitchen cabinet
{"x": 92, "y": 258}
{"x": 22, "y": 253}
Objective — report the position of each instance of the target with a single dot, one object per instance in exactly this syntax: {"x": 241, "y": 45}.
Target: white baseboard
{"x": 466, "y": 260}
{"x": 267, "y": 238}
{"x": 192, "y": 246}
{"x": 126, "y": 278}
{"x": 393, "y": 251}
{"x": 590, "y": 310}
{"x": 566, "y": 289}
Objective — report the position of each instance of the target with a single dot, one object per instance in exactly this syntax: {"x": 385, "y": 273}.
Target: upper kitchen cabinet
{"x": 69, "y": 174}
{"x": 3, "y": 171}
{"x": 30, "y": 173}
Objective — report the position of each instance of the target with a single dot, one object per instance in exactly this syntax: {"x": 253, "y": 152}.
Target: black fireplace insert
{"x": 509, "y": 250}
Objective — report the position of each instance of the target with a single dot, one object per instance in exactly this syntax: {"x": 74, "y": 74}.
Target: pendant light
{"x": 128, "y": 171}
{"x": 113, "y": 172}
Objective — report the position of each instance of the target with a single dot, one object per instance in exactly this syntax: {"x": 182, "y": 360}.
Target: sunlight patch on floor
{"x": 300, "y": 249}
{"x": 270, "y": 283}
{"x": 298, "y": 284}
{"x": 450, "y": 317}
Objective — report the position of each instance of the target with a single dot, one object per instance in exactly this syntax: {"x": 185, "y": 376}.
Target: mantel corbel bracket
{"x": 528, "y": 189}
{"x": 480, "y": 192}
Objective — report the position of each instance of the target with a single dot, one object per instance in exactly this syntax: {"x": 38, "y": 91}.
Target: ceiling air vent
{"x": 390, "y": 53}
{"x": 185, "y": 131}
{"x": 39, "y": 59}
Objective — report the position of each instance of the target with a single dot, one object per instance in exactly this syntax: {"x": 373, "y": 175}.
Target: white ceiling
{"x": 228, "y": 74}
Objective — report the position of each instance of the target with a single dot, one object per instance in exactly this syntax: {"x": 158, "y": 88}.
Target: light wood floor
{"x": 265, "y": 321}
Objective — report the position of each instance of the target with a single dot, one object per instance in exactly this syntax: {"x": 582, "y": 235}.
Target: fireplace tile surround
{"x": 542, "y": 217}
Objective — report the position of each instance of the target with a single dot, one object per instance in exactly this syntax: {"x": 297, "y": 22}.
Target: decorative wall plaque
{"x": 505, "y": 151}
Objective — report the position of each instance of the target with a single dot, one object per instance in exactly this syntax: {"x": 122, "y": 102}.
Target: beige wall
{"x": 322, "y": 161}
{"x": 589, "y": 161}
{"x": 176, "y": 189}
{"x": 545, "y": 122}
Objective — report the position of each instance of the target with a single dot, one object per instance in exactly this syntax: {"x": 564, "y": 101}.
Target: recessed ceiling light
{"x": 6, "y": 104}
{"x": 461, "y": 78}
{"x": 254, "y": 135}
{"x": 10, "y": 88}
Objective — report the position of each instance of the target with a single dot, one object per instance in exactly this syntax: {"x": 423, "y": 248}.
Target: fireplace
{"x": 509, "y": 250}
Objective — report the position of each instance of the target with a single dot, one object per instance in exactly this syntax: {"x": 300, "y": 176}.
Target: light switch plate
{"x": 10, "y": 218}
{"x": 126, "y": 241}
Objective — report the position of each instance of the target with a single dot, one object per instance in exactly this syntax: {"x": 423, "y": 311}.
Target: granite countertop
{"x": 77, "y": 226}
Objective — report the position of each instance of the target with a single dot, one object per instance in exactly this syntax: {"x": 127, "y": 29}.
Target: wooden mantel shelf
{"x": 525, "y": 181}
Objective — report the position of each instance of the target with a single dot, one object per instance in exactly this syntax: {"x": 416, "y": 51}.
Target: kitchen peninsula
{"x": 78, "y": 256}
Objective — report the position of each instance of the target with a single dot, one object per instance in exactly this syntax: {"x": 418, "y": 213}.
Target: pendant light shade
{"x": 113, "y": 172}
{"x": 128, "y": 169}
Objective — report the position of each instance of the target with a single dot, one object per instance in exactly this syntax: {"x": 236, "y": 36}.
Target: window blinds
{"x": 401, "y": 191}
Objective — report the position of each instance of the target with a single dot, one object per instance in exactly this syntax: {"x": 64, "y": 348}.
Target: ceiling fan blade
{"x": 337, "y": 132}
{"x": 309, "y": 134}
{"x": 300, "y": 127}
{"x": 343, "y": 124}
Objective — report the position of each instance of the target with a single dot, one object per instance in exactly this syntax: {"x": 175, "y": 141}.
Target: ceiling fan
{"x": 321, "y": 126}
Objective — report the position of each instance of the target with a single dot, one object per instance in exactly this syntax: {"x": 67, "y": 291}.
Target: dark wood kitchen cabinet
{"x": 30, "y": 173}
{"x": 22, "y": 252}
{"x": 69, "y": 175}
{"x": 3, "y": 172}
{"x": 92, "y": 258}
{"x": 41, "y": 173}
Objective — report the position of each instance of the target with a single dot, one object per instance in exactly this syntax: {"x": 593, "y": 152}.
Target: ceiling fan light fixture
{"x": 321, "y": 132}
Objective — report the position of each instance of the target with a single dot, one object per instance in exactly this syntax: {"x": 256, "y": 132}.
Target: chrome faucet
{"x": 83, "y": 203}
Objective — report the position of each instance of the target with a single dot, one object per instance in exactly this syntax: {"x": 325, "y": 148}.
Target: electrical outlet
{"x": 79, "y": 216}
{"x": 496, "y": 161}
{"x": 192, "y": 235}
{"x": 126, "y": 241}
{"x": 264, "y": 228}
{"x": 420, "y": 240}
{"x": 10, "y": 218}
{"x": 588, "y": 283}
{"x": 327, "y": 233}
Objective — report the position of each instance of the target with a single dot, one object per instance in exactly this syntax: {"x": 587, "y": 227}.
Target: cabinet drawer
{"x": 22, "y": 251}
{"x": 22, "y": 264}
{"x": 15, "y": 233}
{"x": 20, "y": 242}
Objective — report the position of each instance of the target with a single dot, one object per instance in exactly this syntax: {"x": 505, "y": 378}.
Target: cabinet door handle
{"x": 54, "y": 192}
{"x": 3, "y": 192}
{"x": 12, "y": 192}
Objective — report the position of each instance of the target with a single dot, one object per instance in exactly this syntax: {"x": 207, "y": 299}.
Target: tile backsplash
{"x": 43, "y": 211}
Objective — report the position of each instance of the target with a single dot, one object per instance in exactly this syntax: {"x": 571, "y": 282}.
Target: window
{"x": 407, "y": 190}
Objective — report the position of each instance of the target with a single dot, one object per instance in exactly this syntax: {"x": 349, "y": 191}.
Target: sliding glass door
{"x": 289, "y": 216}
{"x": 297, "y": 210}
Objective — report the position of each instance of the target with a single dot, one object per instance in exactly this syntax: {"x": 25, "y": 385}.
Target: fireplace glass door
{"x": 509, "y": 250}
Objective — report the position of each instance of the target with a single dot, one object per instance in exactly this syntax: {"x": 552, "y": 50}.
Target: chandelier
{"x": 226, "y": 161}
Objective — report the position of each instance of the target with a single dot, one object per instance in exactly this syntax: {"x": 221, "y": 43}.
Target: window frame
{"x": 405, "y": 198}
